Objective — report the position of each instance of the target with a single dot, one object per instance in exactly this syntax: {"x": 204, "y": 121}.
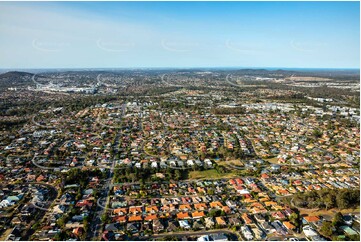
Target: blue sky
{"x": 179, "y": 34}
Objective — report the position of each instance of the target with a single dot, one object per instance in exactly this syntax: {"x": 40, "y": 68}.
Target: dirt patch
{"x": 330, "y": 212}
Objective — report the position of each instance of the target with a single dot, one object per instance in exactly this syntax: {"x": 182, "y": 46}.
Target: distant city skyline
{"x": 179, "y": 35}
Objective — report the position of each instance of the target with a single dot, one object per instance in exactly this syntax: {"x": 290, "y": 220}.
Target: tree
{"x": 295, "y": 219}
{"x": 62, "y": 221}
{"x": 214, "y": 213}
{"x": 327, "y": 228}
{"x": 329, "y": 201}
{"x": 337, "y": 220}
{"x": 104, "y": 217}
{"x": 177, "y": 175}
{"x": 317, "y": 133}
{"x": 342, "y": 200}
{"x": 79, "y": 195}
{"x": 60, "y": 236}
{"x": 86, "y": 223}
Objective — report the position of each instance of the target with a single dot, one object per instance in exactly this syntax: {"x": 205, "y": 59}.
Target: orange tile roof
{"x": 120, "y": 210}
{"x": 265, "y": 176}
{"x": 198, "y": 214}
{"x": 151, "y": 217}
{"x": 270, "y": 203}
{"x": 121, "y": 219}
{"x": 289, "y": 225}
{"x": 184, "y": 207}
{"x": 201, "y": 189}
{"x": 135, "y": 218}
{"x": 226, "y": 209}
{"x": 249, "y": 200}
{"x": 78, "y": 231}
{"x": 311, "y": 218}
{"x": 220, "y": 221}
{"x": 200, "y": 206}
{"x": 135, "y": 209}
{"x": 151, "y": 208}
{"x": 246, "y": 218}
{"x": 256, "y": 205}
{"x": 182, "y": 215}
{"x": 215, "y": 204}
{"x": 258, "y": 210}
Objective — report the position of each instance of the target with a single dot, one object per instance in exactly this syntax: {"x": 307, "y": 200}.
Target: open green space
{"x": 210, "y": 174}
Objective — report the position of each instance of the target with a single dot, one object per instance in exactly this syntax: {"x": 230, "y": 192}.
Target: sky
{"x": 179, "y": 34}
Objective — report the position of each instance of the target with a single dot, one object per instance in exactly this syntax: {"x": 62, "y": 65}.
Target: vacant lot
{"x": 308, "y": 78}
{"x": 273, "y": 160}
{"x": 209, "y": 174}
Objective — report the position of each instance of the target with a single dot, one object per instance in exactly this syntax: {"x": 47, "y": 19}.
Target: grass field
{"x": 209, "y": 174}
{"x": 272, "y": 160}
{"x": 236, "y": 162}
{"x": 232, "y": 162}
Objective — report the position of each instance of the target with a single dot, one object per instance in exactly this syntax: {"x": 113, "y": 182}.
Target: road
{"x": 40, "y": 125}
{"x": 96, "y": 224}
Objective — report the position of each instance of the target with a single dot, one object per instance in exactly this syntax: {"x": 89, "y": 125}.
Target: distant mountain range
{"x": 16, "y": 78}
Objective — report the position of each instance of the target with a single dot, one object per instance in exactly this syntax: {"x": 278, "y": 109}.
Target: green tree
{"x": 177, "y": 174}
{"x": 337, "y": 220}
{"x": 214, "y": 213}
{"x": 317, "y": 133}
{"x": 104, "y": 217}
{"x": 329, "y": 201}
{"x": 295, "y": 219}
{"x": 327, "y": 228}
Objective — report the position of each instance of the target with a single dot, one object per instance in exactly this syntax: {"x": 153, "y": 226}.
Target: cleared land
{"x": 273, "y": 160}
{"x": 209, "y": 174}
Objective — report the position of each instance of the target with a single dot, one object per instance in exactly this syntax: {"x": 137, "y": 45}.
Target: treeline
{"x": 350, "y": 97}
{"x": 12, "y": 123}
{"x": 81, "y": 177}
{"x": 328, "y": 198}
{"x": 221, "y": 111}
{"x": 133, "y": 174}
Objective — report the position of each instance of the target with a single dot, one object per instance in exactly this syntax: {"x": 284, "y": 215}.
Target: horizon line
{"x": 189, "y": 68}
